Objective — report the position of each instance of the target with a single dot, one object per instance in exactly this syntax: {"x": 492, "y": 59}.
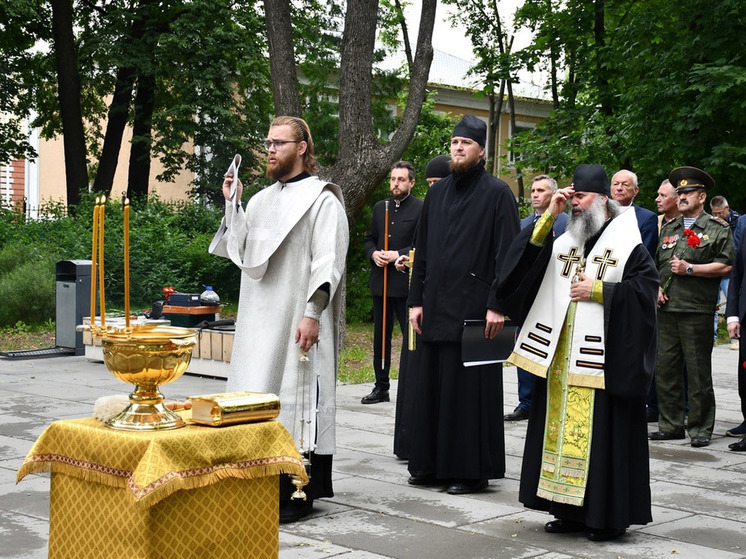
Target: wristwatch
{"x": 689, "y": 270}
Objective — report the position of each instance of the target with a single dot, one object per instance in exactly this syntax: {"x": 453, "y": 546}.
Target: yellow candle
{"x": 93, "y": 264}
{"x": 101, "y": 261}
{"x": 127, "y": 263}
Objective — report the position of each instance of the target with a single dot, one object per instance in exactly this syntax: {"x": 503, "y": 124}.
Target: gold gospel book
{"x": 230, "y": 408}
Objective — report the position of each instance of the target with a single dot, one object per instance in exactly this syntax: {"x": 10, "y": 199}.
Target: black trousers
{"x": 742, "y": 376}
{"x": 320, "y": 484}
{"x": 397, "y": 306}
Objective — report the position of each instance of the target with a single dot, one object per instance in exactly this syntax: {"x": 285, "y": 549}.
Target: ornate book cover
{"x": 230, "y": 408}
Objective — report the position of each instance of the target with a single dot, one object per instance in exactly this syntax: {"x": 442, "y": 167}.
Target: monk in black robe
{"x": 608, "y": 486}
{"x": 467, "y": 221}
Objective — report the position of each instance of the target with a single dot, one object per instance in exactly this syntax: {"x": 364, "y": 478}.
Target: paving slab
{"x": 698, "y": 509}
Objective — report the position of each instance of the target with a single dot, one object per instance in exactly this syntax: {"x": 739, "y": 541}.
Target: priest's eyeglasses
{"x": 279, "y": 143}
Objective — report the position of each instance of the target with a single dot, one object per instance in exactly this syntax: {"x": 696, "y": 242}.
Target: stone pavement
{"x": 698, "y": 504}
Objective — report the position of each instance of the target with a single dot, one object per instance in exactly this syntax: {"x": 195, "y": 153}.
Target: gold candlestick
{"x": 127, "y": 264}
{"x": 93, "y": 266}
{"x": 102, "y": 304}
{"x": 412, "y": 335}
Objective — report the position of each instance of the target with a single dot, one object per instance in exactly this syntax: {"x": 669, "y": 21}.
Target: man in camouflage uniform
{"x": 694, "y": 251}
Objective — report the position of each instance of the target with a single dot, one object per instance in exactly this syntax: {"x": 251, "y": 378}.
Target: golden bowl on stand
{"x": 148, "y": 358}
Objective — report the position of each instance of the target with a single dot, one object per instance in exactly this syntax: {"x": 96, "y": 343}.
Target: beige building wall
{"x": 51, "y": 165}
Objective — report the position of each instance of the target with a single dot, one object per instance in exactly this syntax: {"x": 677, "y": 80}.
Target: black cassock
{"x": 618, "y": 486}
{"x": 467, "y": 222}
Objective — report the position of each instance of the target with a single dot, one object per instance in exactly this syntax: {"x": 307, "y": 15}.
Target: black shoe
{"x": 292, "y": 511}
{"x": 605, "y": 534}
{"x": 563, "y": 526}
{"x": 739, "y": 431}
{"x": 378, "y": 395}
{"x": 464, "y": 486}
{"x": 518, "y": 414}
{"x": 424, "y": 479}
{"x": 665, "y": 436}
{"x": 699, "y": 442}
{"x": 652, "y": 416}
{"x": 739, "y": 446}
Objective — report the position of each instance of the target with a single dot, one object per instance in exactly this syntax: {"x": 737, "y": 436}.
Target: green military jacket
{"x": 690, "y": 293}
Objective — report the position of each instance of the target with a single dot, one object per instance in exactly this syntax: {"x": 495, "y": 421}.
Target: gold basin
{"x": 148, "y": 358}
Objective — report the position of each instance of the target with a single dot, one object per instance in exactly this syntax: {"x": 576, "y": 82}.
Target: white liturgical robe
{"x": 291, "y": 240}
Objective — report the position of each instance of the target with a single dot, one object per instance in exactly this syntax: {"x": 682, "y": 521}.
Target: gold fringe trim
{"x": 194, "y": 479}
{"x": 528, "y": 365}
{"x": 167, "y": 485}
{"x": 587, "y": 381}
{"x": 572, "y": 472}
{"x": 60, "y": 464}
{"x": 565, "y": 499}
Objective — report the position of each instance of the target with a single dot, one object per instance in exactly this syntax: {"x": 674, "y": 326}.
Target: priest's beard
{"x": 588, "y": 222}
{"x": 281, "y": 168}
{"x": 461, "y": 167}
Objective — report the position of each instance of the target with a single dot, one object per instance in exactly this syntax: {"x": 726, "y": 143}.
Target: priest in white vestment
{"x": 290, "y": 243}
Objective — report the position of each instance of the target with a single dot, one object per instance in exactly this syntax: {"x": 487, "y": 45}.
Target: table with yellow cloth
{"x": 191, "y": 492}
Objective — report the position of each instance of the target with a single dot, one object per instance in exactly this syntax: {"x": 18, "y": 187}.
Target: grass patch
{"x": 355, "y": 359}
{"x": 22, "y": 336}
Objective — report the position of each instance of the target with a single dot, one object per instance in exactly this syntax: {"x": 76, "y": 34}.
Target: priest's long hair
{"x": 301, "y": 133}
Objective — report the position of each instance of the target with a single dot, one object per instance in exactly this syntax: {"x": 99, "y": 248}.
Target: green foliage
{"x": 650, "y": 89}
{"x": 28, "y": 290}
{"x": 359, "y": 303}
{"x": 168, "y": 246}
{"x": 211, "y": 81}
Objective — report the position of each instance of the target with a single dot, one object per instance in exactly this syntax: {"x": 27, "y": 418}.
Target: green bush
{"x": 28, "y": 292}
{"x": 168, "y": 247}
{"x": 359, "y": 304}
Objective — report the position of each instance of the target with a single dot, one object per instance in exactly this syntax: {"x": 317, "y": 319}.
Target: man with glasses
{"x": 290, "y": 244}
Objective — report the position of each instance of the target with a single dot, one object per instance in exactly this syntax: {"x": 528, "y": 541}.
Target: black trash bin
{"x": 73, "y": 302}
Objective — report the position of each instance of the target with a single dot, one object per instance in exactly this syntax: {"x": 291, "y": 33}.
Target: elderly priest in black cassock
{"x": 587, "y": 304}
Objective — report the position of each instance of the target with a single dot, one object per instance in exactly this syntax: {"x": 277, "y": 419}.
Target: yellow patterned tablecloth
{"x": 191, "y": 492}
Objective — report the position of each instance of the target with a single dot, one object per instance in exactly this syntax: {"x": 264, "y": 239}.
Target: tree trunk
{"x": 405, "y": 35}
{"x": 119, "y": 108}
{"x": 492, "y": 128}
{"x": 139, "y": 166}
{"x": 599, "y": 32}
{"x": 518, "y": 172}
{"x": 553, "y": 77}
{"x": 282, "y": 58}
{"x": 363, "y": 161}
{"x": 68, "y": 79}
{"x": 115, "y": 125}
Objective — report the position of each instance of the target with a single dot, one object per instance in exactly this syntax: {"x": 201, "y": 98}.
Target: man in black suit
{"x": 735, "y": 311}
{"x": 404, "y": 211}
{"x": 624, "y": 189}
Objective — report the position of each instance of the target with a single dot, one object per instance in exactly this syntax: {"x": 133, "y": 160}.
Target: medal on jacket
{"x": 670, "y": 241}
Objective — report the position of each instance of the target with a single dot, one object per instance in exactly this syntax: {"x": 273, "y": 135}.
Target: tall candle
{"x": 101, "y": 262}
{"x": 93, "y": 265}
{"x": 127, "y": 263}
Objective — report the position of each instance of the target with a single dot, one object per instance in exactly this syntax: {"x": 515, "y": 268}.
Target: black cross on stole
{"x": 604, "y": 262}
{"x": 569, "y": 259}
